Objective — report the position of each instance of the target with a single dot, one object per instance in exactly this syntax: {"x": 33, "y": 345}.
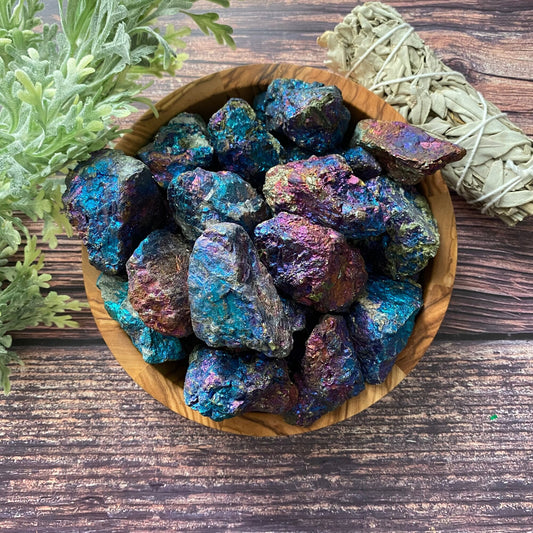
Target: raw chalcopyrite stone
{"x": 312, "y": 115}
{"x": 329, "y": 372}
{"x": 233, "y": 299}
{"x": 295, "y": 314}
{"x": 157, "y": 274}
{"x": 312, "y": 264}
{"x": 200, "y": 198}
{"x": 412, "y": 232}
{"x": 324, "y": 190}
{"x": 242, "y": 143}
{"x": 407, "y": 153}
{"x": 154, "y": 346}
{"x": 363, "y": 164}
{"x": 179, "y": 146}
{"x": 220, "y": 385}
{"x": 381, "y": 322}
{"x": 113, "y": 201}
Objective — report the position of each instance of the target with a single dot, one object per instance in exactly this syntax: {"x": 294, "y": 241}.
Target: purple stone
{"x": 407, "y": 153}
{"x": 180, "y": 145}
{"x": 363, "y": 164}
{"x": 114, "y": 203}
{"x": 329, "y": 372}
{"x": 220, "y": 385}
{"x": 234, "y": 303}
{"x": 381, "y": 322}
{"x": 157, "y": 275}
{"x": 412, "y": 231}
{"x": 200, "y": 198}
{"x": 312, "y": 264}
{"x": 311, "y": 115}
{"x": 242, "y": 143}
{"x": 324, "y": 190}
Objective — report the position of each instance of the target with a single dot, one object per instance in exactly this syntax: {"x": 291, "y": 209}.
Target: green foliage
{"x": 61, "y": 89}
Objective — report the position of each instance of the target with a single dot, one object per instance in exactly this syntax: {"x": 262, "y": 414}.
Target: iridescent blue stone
{"x": 406, "y": 153}
{"x": 180, "y": 145}
{"x": 258, "y": 106}
{"x": 312, "y": 264}
{"x": 114, "y": 203}
{"x": 312, "y": 115}
{"x": 296, "y": 314}
{"x": 242, "y": 143}
{"x": 200, "y": 198}
{"x": 412, "y": 231}
{"x": 154, "y": 347}
{"x": 329, "y": 372}
{"x": 324, "y": 190}
{"x": 157, "y": 275}
{"x": 221, "y": 385}
{"x": 381, "y": 322}
{"x": 233, "y": 300}
{"x": 363, "y": 164}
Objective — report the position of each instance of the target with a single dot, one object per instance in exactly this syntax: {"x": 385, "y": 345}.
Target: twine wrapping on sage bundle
{"x": 376, "y": 48}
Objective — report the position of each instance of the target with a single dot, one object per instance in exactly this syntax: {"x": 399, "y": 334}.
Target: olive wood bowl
{"x": 205, "y": 96}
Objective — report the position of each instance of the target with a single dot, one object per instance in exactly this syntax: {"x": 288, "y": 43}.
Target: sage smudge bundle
{"x": 376, "y": 48}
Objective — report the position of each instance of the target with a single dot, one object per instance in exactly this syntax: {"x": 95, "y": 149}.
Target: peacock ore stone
{"x": 329, "y": 372}
{"x": 114, "y": 203}
{"x": 312, "y": 115}
{"x": 233, "y": 300}
{"x": 324, "y": 190}
{"x": 407, "y": 153}
{"x": 312, "y": 264}
{"x": 220, "y": 385}
{"x": 154, "y": 347}
{"x": 200, "y": 198}
{"x": 157, "y": 275}
{"x": 412, "y": 231}
{"x": 363, "y": 164}
{"x": 241, "y": 142}
{"x": 180, "y": 145}
{"x": 381, "y": 322}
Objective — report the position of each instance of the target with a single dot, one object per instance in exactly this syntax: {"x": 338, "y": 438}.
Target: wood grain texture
{"x": 83, "y": 448}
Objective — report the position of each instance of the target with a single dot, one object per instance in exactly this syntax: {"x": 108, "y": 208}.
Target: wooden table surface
{"x": 82, "y": 448}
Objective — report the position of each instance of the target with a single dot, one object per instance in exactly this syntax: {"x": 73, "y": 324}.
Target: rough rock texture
{"x": 241, "y": 142}
{"x": 200, "y": 198}
{"x": 233, "y": 299}
{"x": 114, "y": 203}
{"x": 324, "y": 190}
{"x": 157, "y": 275}
{"x": 180, "y": 145}
{"x": 296, "y": 314}
{"x": 412, "y": 231}
{"x": 329, "y": 372}
{"x": 363, "y": 164}
{"x": 220, "y": 385}
{"x": 312, "y": 264}
{"x": 154, "y": 346}
{"x": 311, "y": 115}
{"x": 407, "y": 153}
{"x": 381, "y": 322}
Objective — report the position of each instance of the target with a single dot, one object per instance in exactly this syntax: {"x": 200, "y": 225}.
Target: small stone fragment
{"x": 114, "y": 203}
{"x": 157, "y": 275}
{"x": 312, "y": 264}
{"x": 407, "y": 153}
{"x": 220, "y": 385}
{"x": 293, "y": 152}
{"x": 324, "y": 190}
{"x": 154, "y": 347}
{"x": 242, "y": 143}
{"x": 329, "y": 372}
{"x": 296, "y": 314}
{"x": 413, "y": 234}
{"x": 200, "y": 198}
{"x": 233, "y": 299}
{"x": 312, "y": 115}
{"x": 363, "y": 164}
{"x": 180, "y": 145}
{"x": 381, "y": 322}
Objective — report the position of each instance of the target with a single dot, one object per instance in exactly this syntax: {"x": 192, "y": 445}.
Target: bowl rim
{"x": 161, "y": 381}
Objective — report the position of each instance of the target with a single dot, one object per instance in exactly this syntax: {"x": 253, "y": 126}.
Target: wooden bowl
{"x": 204, "y": 96}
